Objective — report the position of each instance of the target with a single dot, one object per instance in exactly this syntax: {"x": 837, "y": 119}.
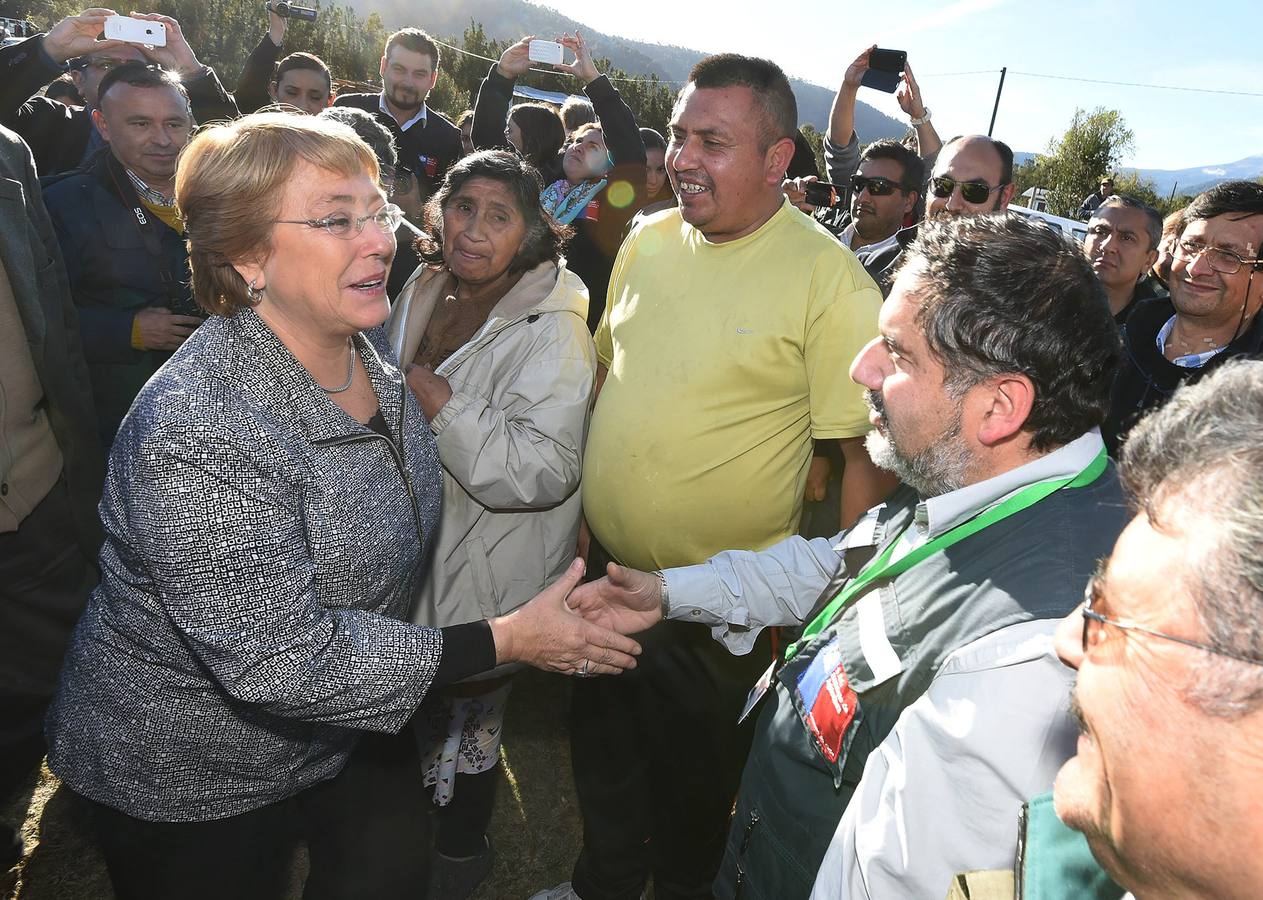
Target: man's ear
{"x": 272, "y": 86}
{"x": 779, "y": 156}
{"x": 911, "y": 203}
{"x": 1006, "y": 196}
{"x": 1005, "y": 407}
{"x": 381, "y": 69}
{"x": 99, "y": 121}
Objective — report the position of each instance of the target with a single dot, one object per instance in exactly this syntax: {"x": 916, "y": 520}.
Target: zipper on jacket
{"x": 741, "y": 853}
{"x": 397, "y": 454}
{"x": 1019, "y": 863}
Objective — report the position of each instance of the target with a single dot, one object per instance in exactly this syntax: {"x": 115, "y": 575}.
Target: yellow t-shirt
{"x": 724, "y": 360}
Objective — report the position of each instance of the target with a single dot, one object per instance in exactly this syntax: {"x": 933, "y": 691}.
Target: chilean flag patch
{"x": 828, "y": 702}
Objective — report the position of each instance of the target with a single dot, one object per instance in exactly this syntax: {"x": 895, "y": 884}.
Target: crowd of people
{"x": 848, "y": 505}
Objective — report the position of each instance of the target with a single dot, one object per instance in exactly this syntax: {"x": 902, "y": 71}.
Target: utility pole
{"x": 995, "y": 109}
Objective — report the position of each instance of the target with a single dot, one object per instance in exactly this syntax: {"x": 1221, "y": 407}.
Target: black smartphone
{"x": 822, "y": 193}
{"x": 884, "y": 69}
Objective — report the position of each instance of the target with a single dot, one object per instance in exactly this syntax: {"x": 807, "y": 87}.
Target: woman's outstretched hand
{"x": 547, "y": 634}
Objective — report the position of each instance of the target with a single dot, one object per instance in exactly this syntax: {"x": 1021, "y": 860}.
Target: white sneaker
{"x": 563, "y": 891}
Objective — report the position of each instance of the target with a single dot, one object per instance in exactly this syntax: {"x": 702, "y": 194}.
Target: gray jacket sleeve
{"x": 841, "y": 162}
{"x": 222, "y": 534}
{"x": 740, "y": 592}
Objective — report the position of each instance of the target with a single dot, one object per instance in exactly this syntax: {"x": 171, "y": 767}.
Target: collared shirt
{"x": 938, "y": 515}
{"x": 1190, "y": 360}
{"x": 147, "y": 193}
{"x": 737, "y": 593}
{"x": 404, "y": 126}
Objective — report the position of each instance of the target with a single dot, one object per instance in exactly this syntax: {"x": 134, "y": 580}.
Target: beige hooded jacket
{"x": 510, "y": 439}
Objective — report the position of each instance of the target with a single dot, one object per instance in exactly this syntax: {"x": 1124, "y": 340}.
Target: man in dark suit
{"x": 428, "y": 142}
{"x": 64, "y": 138}
{"x": 50, "y": 471}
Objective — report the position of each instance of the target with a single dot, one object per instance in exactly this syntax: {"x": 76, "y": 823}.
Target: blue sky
{"x": 1210, "y": 44}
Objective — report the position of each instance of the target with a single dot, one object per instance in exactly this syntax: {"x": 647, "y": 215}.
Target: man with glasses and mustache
{"x": 63, "y": 138}
{"x": 923, "y": 699}
{"x": 1212, "y": 314}
{"x": 1167, "y": 780}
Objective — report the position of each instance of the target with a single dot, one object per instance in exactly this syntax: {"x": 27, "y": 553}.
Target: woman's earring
{"x": 254, "y": 293}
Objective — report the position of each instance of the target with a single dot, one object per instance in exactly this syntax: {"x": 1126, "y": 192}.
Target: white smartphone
{"x": 136, "y": 31}
{"x": 545, "y": 52}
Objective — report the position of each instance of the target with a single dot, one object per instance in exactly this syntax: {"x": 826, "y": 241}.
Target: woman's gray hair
{"x": 1199, "y": 461}
{"x": 544, "y": 238}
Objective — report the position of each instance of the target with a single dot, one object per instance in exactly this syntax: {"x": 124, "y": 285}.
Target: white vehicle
{"x": 1069, "y": 227}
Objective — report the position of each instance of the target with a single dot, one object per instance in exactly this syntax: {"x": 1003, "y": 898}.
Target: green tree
{"x": 1091, "y": 147}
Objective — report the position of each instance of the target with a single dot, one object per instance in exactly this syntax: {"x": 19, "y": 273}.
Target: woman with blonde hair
{"x": 242, "y": 672}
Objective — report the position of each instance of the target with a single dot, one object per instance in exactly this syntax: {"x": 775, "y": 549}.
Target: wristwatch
{"x": 921, "y": 121}
{"x": 662, "y": 590}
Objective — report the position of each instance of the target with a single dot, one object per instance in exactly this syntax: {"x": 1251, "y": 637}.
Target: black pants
{"x": 657, "y": 757}
{"x": 45, "y": 579}
{"x": 367, "y": 832}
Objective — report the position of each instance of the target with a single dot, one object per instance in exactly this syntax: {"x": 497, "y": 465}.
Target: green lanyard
{"x": 882, "y": 567}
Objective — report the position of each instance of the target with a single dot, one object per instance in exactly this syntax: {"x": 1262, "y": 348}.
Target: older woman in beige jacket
{"x": 494, "y": 332}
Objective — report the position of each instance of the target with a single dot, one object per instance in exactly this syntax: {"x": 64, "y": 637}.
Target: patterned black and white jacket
{"x": 262, "y": 548}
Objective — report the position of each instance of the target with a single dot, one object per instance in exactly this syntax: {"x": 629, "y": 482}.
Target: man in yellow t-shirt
{"x": 730, "y": 325}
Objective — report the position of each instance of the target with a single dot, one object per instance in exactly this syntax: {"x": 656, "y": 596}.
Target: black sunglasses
{"x": 877, "y": 186}
{"x": 972, "y": 191}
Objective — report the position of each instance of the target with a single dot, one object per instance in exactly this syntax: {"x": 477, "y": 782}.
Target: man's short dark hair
{"x": 370, "y": 130}
{"x": 302, "y": 60}
{"x": 416, "y": 40}
{"x": 764, "y": 78}
{"x": 139, "y": 74}
{"x": 544, "y": 238}
{"x": 1005, "y": 294}
{"x": 1153, "y": 218}
{"x": 64, "y": 89}
{"x": 1243, "y": 198}
{"x": 913, "y": 166}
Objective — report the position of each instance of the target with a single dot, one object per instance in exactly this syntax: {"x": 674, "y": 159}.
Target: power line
{"x": 465, "y": 52}
{"x": 1160, "y": 87}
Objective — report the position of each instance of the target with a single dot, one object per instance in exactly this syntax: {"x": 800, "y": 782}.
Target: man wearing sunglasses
{"x": 884, "y": 191}
{"x": 1216, "y": 287}
{"x": 973, "y": 174}
{"x": 63, "y": 138}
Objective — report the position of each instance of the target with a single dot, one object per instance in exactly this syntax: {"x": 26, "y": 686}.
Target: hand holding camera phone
{"x": 135, "y": 31}
{"x": 884, "y": 69}
{"x": 821, "y": 193}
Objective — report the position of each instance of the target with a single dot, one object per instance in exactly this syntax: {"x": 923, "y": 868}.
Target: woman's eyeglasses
{"x": 387, "y": 219}
{"x": 972, "y": 191}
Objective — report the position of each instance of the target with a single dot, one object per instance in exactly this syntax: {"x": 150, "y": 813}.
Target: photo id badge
{"x": 757, "y": 692}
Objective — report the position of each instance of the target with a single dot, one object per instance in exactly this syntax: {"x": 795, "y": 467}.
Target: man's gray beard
{"x": 940, "y": 468}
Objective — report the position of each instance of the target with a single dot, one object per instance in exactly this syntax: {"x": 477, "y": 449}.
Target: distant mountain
{"x": 1192, "y": 180}
{"x": 510, "y": 19}
{"x": 1199, "y": 178}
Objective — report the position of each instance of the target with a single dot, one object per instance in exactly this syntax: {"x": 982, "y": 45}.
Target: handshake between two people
{"x": 581, "y": 629}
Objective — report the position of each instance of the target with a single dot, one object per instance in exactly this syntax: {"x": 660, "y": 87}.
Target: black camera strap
{"x": 149, "y": 233}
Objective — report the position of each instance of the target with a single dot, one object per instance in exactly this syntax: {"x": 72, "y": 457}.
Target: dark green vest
{"x": 1031, "y": 565}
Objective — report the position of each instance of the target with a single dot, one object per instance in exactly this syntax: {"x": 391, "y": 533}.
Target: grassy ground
{"x": 535, "y": 830}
